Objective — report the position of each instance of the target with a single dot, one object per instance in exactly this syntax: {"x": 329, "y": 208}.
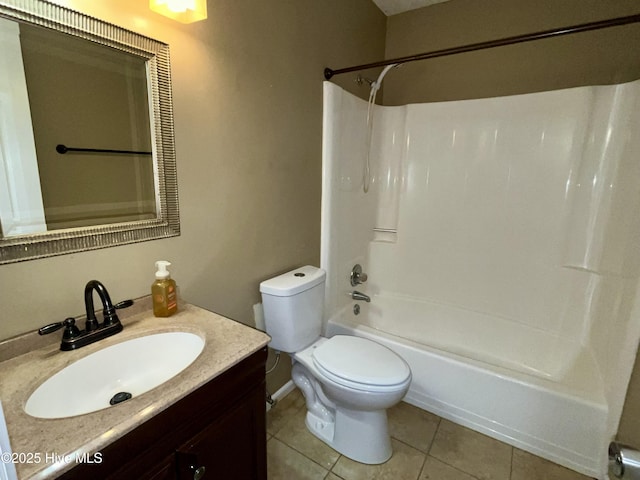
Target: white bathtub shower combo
{"x": 502, "y": 243}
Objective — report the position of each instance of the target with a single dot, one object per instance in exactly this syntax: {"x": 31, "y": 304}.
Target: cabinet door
{"x": 141, "y": 470}
{"x": 230, "y": 448}
{"x": 165, "y": 471}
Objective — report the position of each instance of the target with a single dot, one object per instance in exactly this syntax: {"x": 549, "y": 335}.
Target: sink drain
{"x": 120, "y": 397}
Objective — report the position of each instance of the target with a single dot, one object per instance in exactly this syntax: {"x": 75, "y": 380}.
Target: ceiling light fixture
{"x": 184, "y": 11}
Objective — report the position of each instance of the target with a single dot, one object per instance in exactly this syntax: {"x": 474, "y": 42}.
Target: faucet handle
{"x": 71, "y": 331}
{"x": 123, "y": 304}
{"x": 110, "y": 316}
{"x": 52, "y": 327}
{"x": 357, "y": 276}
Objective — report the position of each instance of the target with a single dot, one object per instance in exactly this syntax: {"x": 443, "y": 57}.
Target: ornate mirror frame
{"x": 167, "y": 222}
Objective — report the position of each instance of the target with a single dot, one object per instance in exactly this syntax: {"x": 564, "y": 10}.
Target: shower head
{"x": 378, "y": 83}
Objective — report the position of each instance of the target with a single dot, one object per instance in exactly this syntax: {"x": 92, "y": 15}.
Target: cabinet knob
{"x": 198, "y": 472}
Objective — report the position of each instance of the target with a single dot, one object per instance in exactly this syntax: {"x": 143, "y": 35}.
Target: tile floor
{"x": 426, "y": 447}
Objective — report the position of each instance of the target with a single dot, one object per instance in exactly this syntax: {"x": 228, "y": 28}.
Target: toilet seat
{"x": 361, "y": 364}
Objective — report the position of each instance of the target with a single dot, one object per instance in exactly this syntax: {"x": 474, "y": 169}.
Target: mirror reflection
{"x": 91, "y": 99}
{"x": 87, "y": 154}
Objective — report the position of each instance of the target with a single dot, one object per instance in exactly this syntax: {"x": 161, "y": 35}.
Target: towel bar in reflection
{"x": 62, "y": 149}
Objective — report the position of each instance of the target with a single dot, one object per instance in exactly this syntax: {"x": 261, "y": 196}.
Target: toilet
{"x": 348, "y": 382}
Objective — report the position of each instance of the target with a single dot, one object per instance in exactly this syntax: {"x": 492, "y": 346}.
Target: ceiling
{"x": 392, "y": 7}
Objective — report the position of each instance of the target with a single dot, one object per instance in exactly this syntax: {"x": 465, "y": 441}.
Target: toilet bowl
{"x": 346, "y": 407}
{"x": 348, "y": 382}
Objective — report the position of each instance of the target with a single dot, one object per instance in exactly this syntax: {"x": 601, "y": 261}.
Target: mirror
{"x": 87, "y": 156}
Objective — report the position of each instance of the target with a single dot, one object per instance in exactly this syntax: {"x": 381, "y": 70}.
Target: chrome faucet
{"x": 74, "y": 338}
{"x": 360, "y": 296}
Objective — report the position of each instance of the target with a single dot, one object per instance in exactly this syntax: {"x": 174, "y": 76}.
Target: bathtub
{"x": 549, "y": 404}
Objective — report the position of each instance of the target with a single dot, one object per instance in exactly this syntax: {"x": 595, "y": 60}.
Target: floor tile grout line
{"x": 335, "y": 463}
{"x": 285, "y": 422}
{"x": 333, "y": 473}
{"x": 409, "y": 445}
{"x": 433, "y": 439}
{"x": 424, "y": 463}
{"x": 428, "y": 454}
{"x": 457, "y": 469}
{"x": 307, "y": 457}
{"x": 511, "y": 464}
{"x": 428, "y": 449}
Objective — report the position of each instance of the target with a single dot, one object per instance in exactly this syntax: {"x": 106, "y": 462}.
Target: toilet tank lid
{"x": 293, "y": 282}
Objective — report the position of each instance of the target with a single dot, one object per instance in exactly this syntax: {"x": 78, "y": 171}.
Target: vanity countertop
{"x": 227, "y": 343}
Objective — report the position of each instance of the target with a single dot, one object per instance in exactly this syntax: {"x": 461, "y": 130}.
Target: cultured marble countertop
{"x": 226, "y": 343}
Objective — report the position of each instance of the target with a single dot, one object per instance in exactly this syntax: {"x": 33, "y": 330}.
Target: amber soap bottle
{"x": 163, "y": 291}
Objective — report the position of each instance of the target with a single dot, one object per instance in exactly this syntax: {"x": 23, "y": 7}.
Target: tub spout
{"x": 360, "y": 296}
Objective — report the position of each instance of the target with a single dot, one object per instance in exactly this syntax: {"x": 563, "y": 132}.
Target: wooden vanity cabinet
{"x": 216, "y": 432}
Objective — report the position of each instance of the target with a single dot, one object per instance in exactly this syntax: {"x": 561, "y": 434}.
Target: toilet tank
{"x": 292, "y": 305}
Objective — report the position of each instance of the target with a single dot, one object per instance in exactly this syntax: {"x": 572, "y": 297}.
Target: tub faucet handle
{"x": 357, "y": 276}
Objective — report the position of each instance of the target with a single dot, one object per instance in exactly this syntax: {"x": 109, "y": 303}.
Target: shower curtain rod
{"x": 583, "y": 27}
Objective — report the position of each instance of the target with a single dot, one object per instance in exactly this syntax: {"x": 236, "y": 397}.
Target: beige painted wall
{"x": 247, "y": 90}
{"x": 629, "y": 429}
{"x": 603, "y": 57}
{"x": 600, "y": 57}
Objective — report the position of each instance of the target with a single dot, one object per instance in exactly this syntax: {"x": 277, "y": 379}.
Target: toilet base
{"x": 349, "y": 420}
{"x": 362, "y": 436}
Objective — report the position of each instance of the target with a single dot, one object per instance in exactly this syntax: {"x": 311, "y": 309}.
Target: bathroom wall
{"x": 247, "y": 91}
{"x": 602, "y": 57}
{"x": 591, "y": 58}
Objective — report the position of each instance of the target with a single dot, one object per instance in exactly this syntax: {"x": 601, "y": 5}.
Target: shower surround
{"x": 502, "y": 242}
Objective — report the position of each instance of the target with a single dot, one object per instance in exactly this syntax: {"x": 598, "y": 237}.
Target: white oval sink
{"x": 135, "y": 366}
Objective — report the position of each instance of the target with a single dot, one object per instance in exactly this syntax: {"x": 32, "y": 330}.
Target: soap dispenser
{"x": 163, "y": 291}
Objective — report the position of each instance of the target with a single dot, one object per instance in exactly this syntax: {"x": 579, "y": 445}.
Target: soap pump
{"x": 163, "y": 291}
